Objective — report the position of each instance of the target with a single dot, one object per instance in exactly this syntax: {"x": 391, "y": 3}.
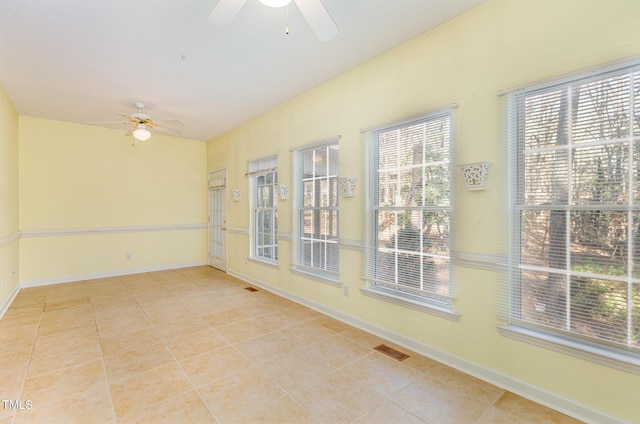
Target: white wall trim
{"x": 10, "y": 238}
{"x": 567, "y": 406}
{"x": 348, "y": 244}
{"x": 116, "y": 273}
{"x": 235, "y": 230}
{"x": 479, "y": 261}
{"x": 9, "y": 301}
{"x": 609, "y": 358}
{"x": 57, "y": 232}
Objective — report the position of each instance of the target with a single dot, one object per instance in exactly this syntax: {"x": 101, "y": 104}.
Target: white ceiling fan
{"x": 141, "y": 124}
{"x": 313, "y": 10}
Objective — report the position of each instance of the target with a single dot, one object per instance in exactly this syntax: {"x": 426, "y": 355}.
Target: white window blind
{"x": 317, "y": 244}
{"x": 409, "y": 209}
{"x": 264, "y": 184}
{"x": 575, "y": 240}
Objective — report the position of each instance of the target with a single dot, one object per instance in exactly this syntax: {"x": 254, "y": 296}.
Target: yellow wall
{"x": 9, "y": 228}
{"x": 122, "y": 199}
{"x": 499, "y": 45}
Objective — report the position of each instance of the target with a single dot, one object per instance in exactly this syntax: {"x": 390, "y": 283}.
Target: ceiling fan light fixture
{"x": 141, "y": 133}
{"x": 275, "y": 3}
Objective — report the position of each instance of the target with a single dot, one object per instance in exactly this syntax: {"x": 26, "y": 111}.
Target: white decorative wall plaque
{"x": 347, "y": 186}
{"x": 476, "y": 175}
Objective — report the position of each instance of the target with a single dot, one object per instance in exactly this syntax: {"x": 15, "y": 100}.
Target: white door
{"x": 217, "y": 221}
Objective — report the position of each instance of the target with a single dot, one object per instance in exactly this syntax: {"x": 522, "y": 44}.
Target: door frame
{"x": 217, "y": 226}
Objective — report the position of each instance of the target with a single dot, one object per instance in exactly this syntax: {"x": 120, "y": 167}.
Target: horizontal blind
{"x": 575, "y": 209}
{"x": 263, "y": 165}
{"x": 408, "y": 223}
{"x": 316, "y": 169}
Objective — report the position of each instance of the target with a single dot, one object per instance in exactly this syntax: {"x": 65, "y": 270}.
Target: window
{"x": 317, "y": 233}
{"x": 576, "y": 209}
{"x": 409, "y": 217}
{"x": 264, "y": 181}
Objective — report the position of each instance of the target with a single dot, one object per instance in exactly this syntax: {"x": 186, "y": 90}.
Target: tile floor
{"x": 193, "y": 346}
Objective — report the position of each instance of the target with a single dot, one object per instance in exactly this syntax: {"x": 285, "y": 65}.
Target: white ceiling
{"x": 83, "y": 60}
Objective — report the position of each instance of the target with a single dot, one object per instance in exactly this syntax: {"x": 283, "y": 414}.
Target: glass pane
{"x": 601, "y": 109}
{"x": 388, "y": 186}
{"x": 599, "y": 308}
{"x": 600, "y": 174}
{"x": 545, "y": 119}
{"x": 410, "y": 185}
{"x": 308, "y": 196}
{"x": 435, "y": 188}
{"x": 388, "y": 150}
{"x": 546, "y": 177}
{"x": 636, "y": 102}
{"x": 544, "y": 238}
{"x": 598, "y": 242}
{"x": 436, "y": 232}
{"x": 635, "y": 316}
{"x": 324, "y": 193}
{"x": 437, "y": 140}
{"x": 543, "y": 300}
{"x": 307, "y": 219}
{"x": 334, "y": 160}
{"x": 307, "y": 163}
{"x": 387, "y": 227}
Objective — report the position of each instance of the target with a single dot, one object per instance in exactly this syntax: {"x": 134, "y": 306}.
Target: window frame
{"x": 517, "y": 327}
{"x": 325, "y": 273}
{"x": 264, "y": 169}
{"x": 432, "y": 303}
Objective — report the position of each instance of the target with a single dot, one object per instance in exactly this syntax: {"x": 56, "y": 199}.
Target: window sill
{"x": 258, "y": 261}
{"x": 407, "y": 302}
{"x": 620, "y": 360}
{"x": 317, "y": 277}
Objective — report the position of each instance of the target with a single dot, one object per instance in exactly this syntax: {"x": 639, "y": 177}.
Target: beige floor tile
{"x": 104, "y": 285}
{"x": 283, "y": 410}
{"x": 92, "y": 406}
{"x": 126, "y": 342}
{"x": 338, "y": 350}
{"x": 52, "y": 387}
{"x": 348, "y": 400}
{"x": 211, "y": 366}
{"x": 308, "y": 333}
{"x": 78, "y": 316}
{"x": 464, "y": 383}
{"x": 333, "y": 324}
{"x": 267, "y": 347}
{"x": 239, "y": 394}
{"x": 181, "y": 328}
{"x": 34, "y": 311}
{"x": 66, "y": 303}
{"x": 243, "y": 330}
{"x": 185, "y": 408}
{"x": 388, "y": 412}
{"x": 362, "y": 337}
{"x": 435, "y": 402}
{"x": 381, "y": 374}
{"x": 110, "y": 301}
{"x": 134, "y": 362}
{"x": 9, "y": 390}
{"x": 123, "y": 323}
{"x": 147, "y": 389}
{"x": 417, "y": 361}
{"x": 196, "y": 344}
{"x": 288, "y": 317}
{"x": 30, "y": 296}
{"x": 496, "y": 416}
{"x": 49, "y": 356}
{"x": 297, "y": 368}
{"x": 163, "y": 315}
{"x": 13, "y": 368}
{"x": 230, "y": 316}
{"x": 531, "y": 411}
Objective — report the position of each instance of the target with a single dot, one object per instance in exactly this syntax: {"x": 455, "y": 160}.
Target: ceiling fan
{"x": 141, "y": 124}
{"x": 313, "y": 10}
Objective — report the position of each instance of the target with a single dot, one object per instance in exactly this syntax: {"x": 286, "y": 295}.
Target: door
{"x": 217, "y": 220}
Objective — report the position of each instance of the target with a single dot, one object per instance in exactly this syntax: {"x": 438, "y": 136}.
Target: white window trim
{"x": 372, "y": 290}
{"x": 601, "y": 354}
{"x": 316, "y": 274}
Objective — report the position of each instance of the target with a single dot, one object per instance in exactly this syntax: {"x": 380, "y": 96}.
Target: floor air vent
{"x": 391, "y": 352}
{"x": 251, "y": 289}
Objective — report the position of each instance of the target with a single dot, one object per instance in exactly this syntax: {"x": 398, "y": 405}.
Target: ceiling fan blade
{"x": 223, "y": 13}
{"x": 319, "y": 19}
{"x": 169, "y": 122}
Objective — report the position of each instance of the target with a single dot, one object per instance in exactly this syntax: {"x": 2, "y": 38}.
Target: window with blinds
{"x": 317, "y": 244}
{"x": 575, "y": 268}
{"x": 409, "y": 218}
{"x": 264, "y": 184}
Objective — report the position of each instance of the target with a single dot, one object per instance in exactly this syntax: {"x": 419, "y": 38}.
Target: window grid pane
{"x": 576, "y": 205}
{"x": 266, "y": 217}
{"x": 318, "y": 214}
{"x": 411, "y": 206}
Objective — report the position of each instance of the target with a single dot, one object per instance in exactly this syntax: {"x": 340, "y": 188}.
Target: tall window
{"x": 318, "y": 169}
{"x": 409, "y": 234}
{"x": 264, "y": 175}
{"x": 576, "y": 208}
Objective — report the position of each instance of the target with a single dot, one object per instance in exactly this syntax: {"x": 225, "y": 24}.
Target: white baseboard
{"x": 567, "y": 406}
{"x": 117, "y": 273}
{"x": 9, "y": 301}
